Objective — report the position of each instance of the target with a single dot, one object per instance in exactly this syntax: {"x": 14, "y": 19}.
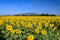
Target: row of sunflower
{"x": 30, "y": 28}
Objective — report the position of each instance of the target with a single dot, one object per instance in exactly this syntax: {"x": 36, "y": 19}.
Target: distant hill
{"x": 34, "y": 14}
{"x": 27, "y": 14}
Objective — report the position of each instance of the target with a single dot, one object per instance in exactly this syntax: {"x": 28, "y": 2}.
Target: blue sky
{"x": 11, "y": 7}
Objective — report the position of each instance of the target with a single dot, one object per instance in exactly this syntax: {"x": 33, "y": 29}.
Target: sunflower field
{"x": 29, "y": 27}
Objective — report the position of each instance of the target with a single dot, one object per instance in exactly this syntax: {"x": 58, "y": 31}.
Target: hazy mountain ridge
{"x": 34, "y": 14}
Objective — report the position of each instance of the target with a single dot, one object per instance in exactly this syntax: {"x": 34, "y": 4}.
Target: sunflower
{"x": 44, "y": 32}
{"x": 39, "y": 26}
{"x": 1, "y": 22}
{"x": 37, "y": 30}
{"x": 9, "y": 27}
{"x": 18, "y": 31}
{"x": 51, "y": 25}
{"x": 12, "y": 31}
{"x": 46, "y": 24}
{"x": 29, "y": 25}
{"x": 30, "y": 37}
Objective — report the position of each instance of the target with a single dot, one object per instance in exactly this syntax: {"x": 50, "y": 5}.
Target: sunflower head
{"x": 37, "y": 30}
{"x": 9, "y": 27}
{"x": 44, "y": 32}
{"x": 18, "y": 31}
{"x": 12, "y": 31}
{"x": 30, "y": 37}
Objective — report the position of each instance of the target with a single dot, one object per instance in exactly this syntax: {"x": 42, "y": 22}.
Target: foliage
{"x": 30, "y": 28}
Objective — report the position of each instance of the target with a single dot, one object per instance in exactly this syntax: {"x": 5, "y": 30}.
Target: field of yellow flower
{"x": 30, "y": 27}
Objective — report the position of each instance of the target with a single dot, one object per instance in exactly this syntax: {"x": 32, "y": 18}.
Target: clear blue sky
{"x": 28, "y": 6}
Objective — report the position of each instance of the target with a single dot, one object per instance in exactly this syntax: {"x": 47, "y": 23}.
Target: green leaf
{"x": 15, "y": 36}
